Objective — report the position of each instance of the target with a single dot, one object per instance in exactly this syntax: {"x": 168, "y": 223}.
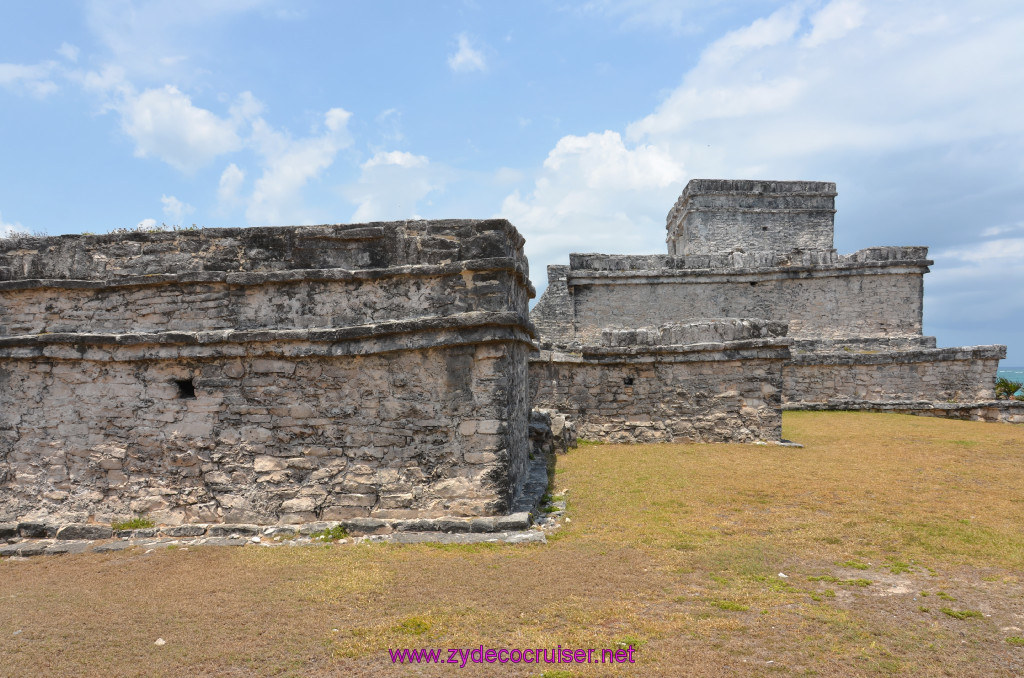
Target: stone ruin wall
{"x": 852, "y": 297}
{"x": 728, "y": 215}
{"x": 705, "y": 381}
{"x": 963, "y": 374}
{"x": 265, "y": 375}
{"x": 763, "y": 249}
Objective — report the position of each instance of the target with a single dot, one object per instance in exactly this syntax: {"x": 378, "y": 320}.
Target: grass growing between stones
{"x": 137, "y": 523}
{"x": 709, "y": 559}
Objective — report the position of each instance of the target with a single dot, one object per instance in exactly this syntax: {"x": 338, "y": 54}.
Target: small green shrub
{"x": 630, "y": 641}
{"x": 414, "y": 626}
{"x": 1006, "y": 388}
{"x": 331, "y": 534}
{"x": 898, "y": 566}
{"x": 1016, "y": 640}
{"x": 961, "y": 614}
{"x": 136, "y": 523}
{"x": 855, "y": 564}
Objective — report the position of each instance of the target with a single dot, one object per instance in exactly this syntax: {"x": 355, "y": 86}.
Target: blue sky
{"x": 579, "y": 122}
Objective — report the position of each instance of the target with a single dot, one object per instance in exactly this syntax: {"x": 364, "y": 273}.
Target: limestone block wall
{"x": 963, "y": 374}
{"x": 552, "y": 314}
{"x": 249, "y": 389}
{"x": 221, "y": 301}
{"x": 253, "y": 278}
{"x": 721, "y": 215}
{"x": 308, "y": 248}
{"x": 870, "y": 298}
{"x": 642, "y": 391}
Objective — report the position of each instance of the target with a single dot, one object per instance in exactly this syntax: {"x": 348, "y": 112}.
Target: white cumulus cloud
{"x": 835, "y": 20}
{"x": 466, "y": 59}
{"x": 164, "y": 123}
{"x": 68, "y": 51}
{"x": 771, "y": 30}
{"x": 231, "y": 180}
{"x": 391, "y": 184}
{"x": 595, "y": 193}
{"x": 174, "y": 209}
{"x": 289, "y": 164}
{"x": 399, "y": 158}
{"x": 36, "y": 79}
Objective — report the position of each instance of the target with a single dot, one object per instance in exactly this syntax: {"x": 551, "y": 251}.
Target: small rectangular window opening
{"x": 186, "y": 388}
{"x": 628, "y": 381}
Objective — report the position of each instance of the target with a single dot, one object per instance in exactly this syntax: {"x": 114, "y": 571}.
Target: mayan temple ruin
{"x": 760, "y": 251}
{"x": 266, "y": 374}
{"x": 386, "y": 372}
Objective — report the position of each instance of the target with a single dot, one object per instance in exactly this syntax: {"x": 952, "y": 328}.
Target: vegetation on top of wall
{"x": 153, "y": 228}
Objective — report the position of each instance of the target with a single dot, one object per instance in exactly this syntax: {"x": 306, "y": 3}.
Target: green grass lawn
{"x": 901, "y": 540}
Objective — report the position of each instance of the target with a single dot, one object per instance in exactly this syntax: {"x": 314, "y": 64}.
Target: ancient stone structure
{"x": 709, "y": 380}
{"x": 265, "y": 375}
{"x": 383, "y": 374}
{"x": 763, "y": 249}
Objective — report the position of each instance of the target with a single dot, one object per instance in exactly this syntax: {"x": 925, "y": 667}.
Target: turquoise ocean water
{"x": 1012, "y": 373}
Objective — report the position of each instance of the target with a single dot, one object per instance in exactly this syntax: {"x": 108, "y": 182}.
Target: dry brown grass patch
{"x": 677, "y": 548}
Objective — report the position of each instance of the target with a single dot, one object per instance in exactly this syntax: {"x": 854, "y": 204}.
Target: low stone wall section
{"x": 709, "y": 392}
{"x": 1006, "y": 411}
{"x": 963, "y": 374}
{"x": 875, "y": 301}
{"x": 265, "y": 431}
{"x": 873, "y": 293}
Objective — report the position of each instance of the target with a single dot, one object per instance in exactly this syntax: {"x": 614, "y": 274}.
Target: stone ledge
{"x": 775, "y": 348}
{"x": 251, "y": 278}
{"x": 438, "y": 331}
{"x": 861, "y": 344}
{"x": 370, "y": 245}
{"x": 741, "y": 261}
{"x": 728, "y": 275}
{"x": 49, "y": 547}
{"x": 693, "y": 332}
{"x": 356, "y": 526}
{"x": 1010, "y": 411}
{"x": 756, "y": 187}
{"x": 896, "y": 355}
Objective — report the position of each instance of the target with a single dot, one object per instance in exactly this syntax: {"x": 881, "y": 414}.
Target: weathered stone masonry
{"x": 704, "y": 381}
{"x": 763, "y": 249}
{"x": 265, "y": 375}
